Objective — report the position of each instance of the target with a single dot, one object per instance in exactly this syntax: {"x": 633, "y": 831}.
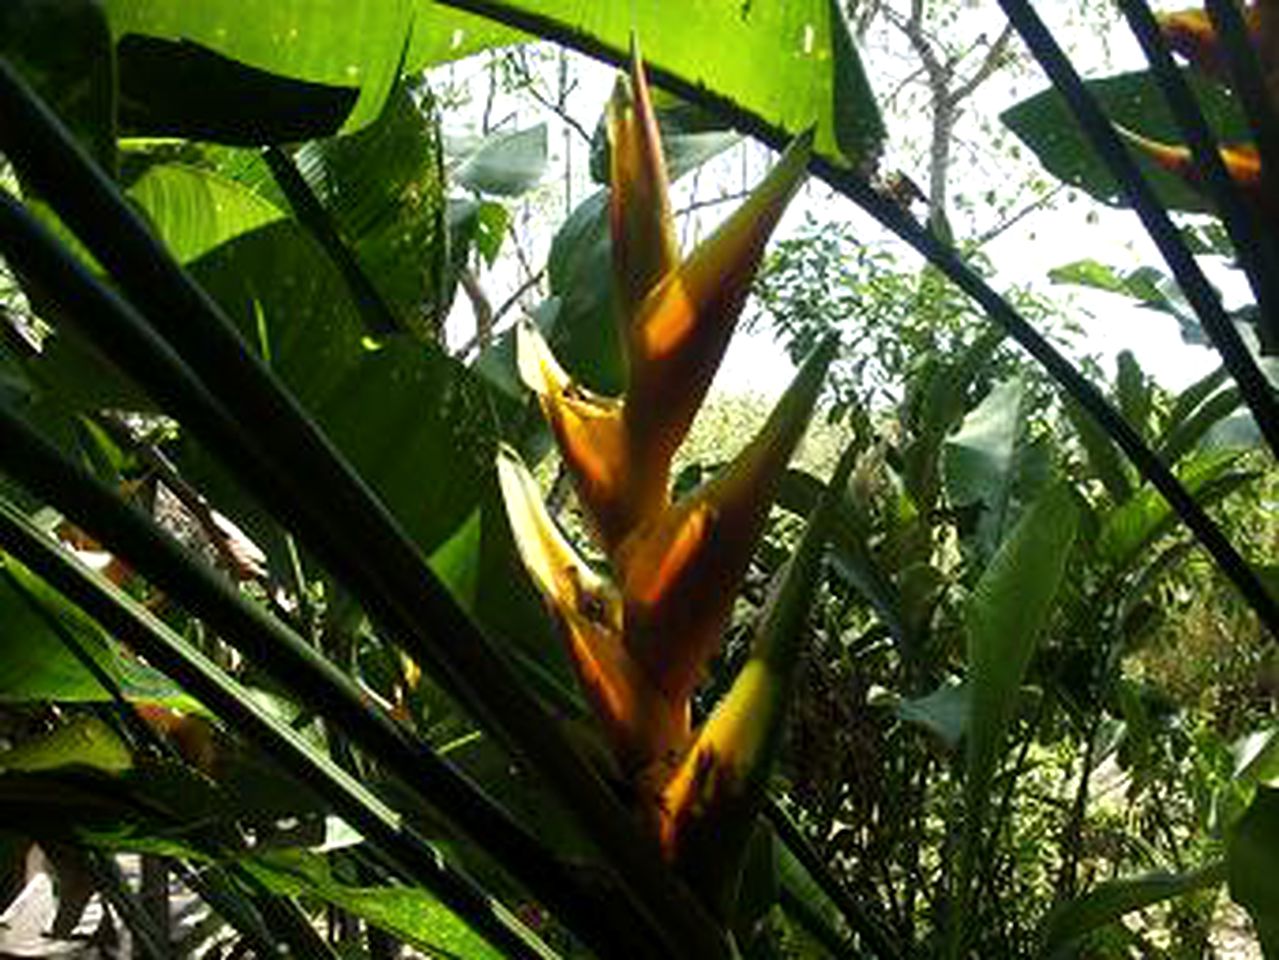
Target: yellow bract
{"x": 639, "y": 645}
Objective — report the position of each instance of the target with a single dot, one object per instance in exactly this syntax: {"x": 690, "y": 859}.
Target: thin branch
{"x": 518, "y": 293}
{"x": 556, "y": 108}
{"x": 711, "y": 202}
{"x": 989, "y": 64}
{"x": 1037, "y": 204}
{"x": 480, "y": 306}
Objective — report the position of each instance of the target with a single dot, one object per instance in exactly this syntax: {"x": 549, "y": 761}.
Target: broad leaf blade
{"x": 812, "y": 78}
{"x": 409, "y": 913}
{"x": 1251, "y": 858}
{"x": 195, "y": 210}
{"x": 1006, "y": 613}
{"x": 1107, "y": 902}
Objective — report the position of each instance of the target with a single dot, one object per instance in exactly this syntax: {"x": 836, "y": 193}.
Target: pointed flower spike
{"x": 682, "y": 329}
{"x": 680, "y": 573}
{"x": 643, "y": 230}
{"x": 1192, "y": 34}
{"x": 639, "y": 725}
{"x": 708, "y": 806}
{"x": 588, "y": 430}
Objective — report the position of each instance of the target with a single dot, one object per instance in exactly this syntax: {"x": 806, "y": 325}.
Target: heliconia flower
{"x": 677, "y": 339}
{"x": 677, "y": 320}
{"x": 641, "y": 725}
{"x": 707, "y": 807}
{"x": 639, "y": 647}
{"x": 680, "y": 572}
{"x": 1242, "y": 163}
{"x": 643, "y": 229}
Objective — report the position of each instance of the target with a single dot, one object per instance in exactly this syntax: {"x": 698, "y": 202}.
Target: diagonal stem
{"x": 341, "y": 519}
{"x": 1249, "y": 83}
{"x": 1255, "y": 246}
{"x": 132, "y": 623}
{"x": 379, "y": 319}
{"x": 1253, "y": 385}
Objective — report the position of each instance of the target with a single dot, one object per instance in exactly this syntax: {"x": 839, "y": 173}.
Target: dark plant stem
{"x": 341, "y": 520}
{"x": 293, "y": 661}
{"x": 151, "y": 939}
{"x": 1072, "y": 841}
{"x": 858, "y": 920}
{"x": 129, "y": 621}
{"x": 379, "y": 318}
{"x": 946, "y": 259}
{"x": 1253, "y": 385}
{"x": 1254, "y": 245}
{"x": 158, "y": 911}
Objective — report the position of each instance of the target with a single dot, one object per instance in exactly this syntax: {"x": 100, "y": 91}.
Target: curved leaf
{"x": 410, "y": 913}
{"x": 195, "y": 210}
{"x": 1045, "y": 124}
{"x": 315, "y": 65}
{"x": 1006, "y": 613}
{"x": 506, "y": 164}
{"x": 1107, "y": 902}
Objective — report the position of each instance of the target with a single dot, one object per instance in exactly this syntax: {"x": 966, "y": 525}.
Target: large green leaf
{"x": 36, "y": 664}
{"x": 1007, "y": 611}
{"x": 280, "y": 71}
{"x": 332, "y": 42}
{"x": 791, "y": 64}
{"x": 409, "y": 913}
{"x": 1044, "y": 122}
{"x": 84, "y": 742}
{"x": 419, "y": 427}
{"x": 1109, "y": 901}
{"x": 1131, "y": 526}
{"x": 505, "y": 164}
{"x": 1250, "y": 854}
{"x": 944, "y": 712}
{"x": 978, "y": 460}
{"x": 195, "y": 210}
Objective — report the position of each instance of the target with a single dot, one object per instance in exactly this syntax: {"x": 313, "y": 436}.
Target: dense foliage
{"x": 287, "y": 625}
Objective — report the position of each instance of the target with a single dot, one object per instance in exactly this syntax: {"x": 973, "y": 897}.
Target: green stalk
{"x": 859, "y": 921}
{"x": 345, "y": 525}
{"x": 406, "y": 851}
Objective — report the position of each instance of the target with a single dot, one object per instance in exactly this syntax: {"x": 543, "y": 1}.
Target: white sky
{"x": 1024, "y": 254}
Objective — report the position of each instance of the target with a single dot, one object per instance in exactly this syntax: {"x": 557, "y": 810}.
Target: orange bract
{"x": 639, "y": 647}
